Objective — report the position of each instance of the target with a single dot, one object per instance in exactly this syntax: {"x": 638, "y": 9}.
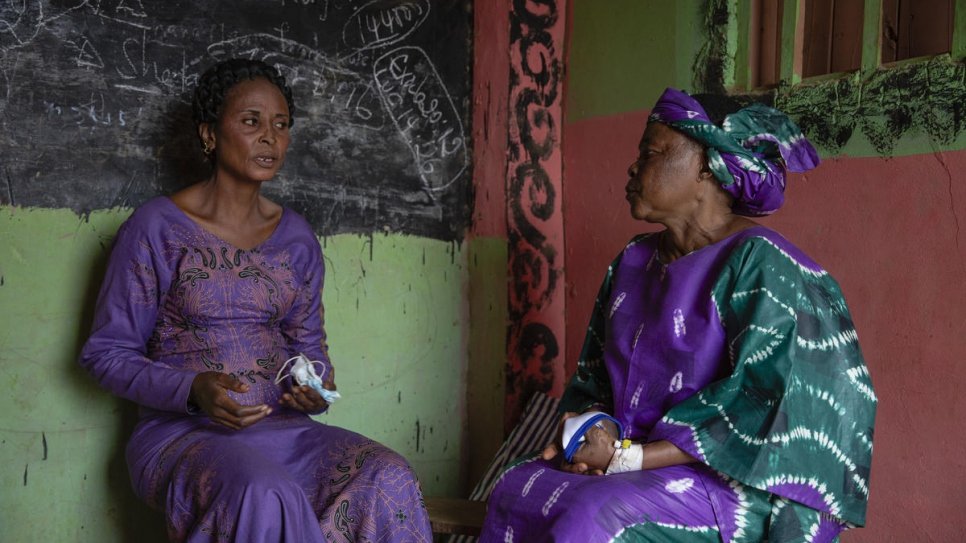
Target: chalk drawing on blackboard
{"x": 134, "y": 8}
{"x": 94, "y": 112}
{"x": 431, "y": 126}
{"x": 358, "y": 103}
{"x": 87, "y": 54}
{"x": 346, "y": 96}
{"x": 103, "y": 90}
{"x": 384, "y": 22}
{"x": 409, "y": 87}
{"x": 20, "y": 25}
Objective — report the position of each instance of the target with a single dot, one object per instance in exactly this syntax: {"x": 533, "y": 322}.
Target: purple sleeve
{"x": 124, "y": 319}
{"x": 303, "y": 325}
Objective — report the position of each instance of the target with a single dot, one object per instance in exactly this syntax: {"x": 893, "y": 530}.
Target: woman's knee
{"x": 232, "y": 473}
{"x": 384, "y": 463}
{"x": 264, "y": 482}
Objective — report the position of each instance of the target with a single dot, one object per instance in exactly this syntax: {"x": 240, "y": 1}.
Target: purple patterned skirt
{"x": 286, "y": 478}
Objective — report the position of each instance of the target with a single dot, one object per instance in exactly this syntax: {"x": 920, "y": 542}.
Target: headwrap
{"x": 748, "y": 154}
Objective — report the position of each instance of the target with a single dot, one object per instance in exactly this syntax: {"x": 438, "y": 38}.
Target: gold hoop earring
{"x": 207, "y": 149}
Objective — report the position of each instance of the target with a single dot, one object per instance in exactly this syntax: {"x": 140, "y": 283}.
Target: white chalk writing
{"x": 95, "y": 112}
{"x": 380, "y": 23}
{"x": 418, "y": 103}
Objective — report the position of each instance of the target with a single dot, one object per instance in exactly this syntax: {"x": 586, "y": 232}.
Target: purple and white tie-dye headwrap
{"x": 748, "y": 154}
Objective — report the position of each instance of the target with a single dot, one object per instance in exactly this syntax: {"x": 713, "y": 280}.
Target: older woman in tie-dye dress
{"x": 208, "y": 293}
{"x": 726, "y": 356}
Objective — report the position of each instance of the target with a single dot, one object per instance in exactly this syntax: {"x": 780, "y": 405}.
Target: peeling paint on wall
{"x": 713, "y": 60}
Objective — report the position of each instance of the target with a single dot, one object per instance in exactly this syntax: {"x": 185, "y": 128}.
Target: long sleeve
{"x": 303, "y": 326}
{"x": 795, "y": 415}
{"x": 124, "y": 319}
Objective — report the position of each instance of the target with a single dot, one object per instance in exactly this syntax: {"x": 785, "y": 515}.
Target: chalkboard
{"x": 95, "y": 104}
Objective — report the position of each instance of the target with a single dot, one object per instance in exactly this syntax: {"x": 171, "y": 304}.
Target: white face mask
{"x": 303, "y": 372}
{"x": 575, "y": 428}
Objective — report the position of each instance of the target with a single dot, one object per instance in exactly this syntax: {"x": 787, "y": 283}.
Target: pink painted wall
{"x": 893, "y": 232}
{"x": 597, "y": 153}
{"x": 491, "y": 87}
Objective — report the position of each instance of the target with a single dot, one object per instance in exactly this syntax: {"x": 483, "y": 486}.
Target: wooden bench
{"x": 454, "y": 516}
{"x": 463, "y": 519}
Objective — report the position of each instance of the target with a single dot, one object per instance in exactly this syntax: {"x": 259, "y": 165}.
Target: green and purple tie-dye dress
{"x": 743, "y": 354}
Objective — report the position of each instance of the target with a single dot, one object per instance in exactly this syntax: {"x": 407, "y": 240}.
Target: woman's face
{"x": 251, "y": 135}
{"x": 665, "y": 179}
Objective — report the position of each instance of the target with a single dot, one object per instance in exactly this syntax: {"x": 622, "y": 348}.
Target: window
{"x": 832, "y": 40}
{"x": 790, "y": 40}
{"x": 916, "y": 28}
{"x": 766, "y": 24}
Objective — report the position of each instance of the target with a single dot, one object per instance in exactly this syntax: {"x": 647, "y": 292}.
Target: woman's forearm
{"x": 659, "y": 454}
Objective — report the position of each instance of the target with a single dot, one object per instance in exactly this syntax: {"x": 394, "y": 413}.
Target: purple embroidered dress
{"x": 742, "y": 354}
{"x": 176, "y": 301}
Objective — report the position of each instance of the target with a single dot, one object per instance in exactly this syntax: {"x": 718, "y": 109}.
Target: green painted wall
{"x": 396, "y": 319}
{"x": 621, "y": 55}
{"x": 486, "y": 367}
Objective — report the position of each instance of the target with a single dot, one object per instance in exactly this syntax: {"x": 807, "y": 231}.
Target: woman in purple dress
{"x": 207, "y": 295}
{"x": 721, "y": 394}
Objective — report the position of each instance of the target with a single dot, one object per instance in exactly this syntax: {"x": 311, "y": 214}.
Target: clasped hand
{"x": 594, "y": 454}
{"x": 209, "y": 391}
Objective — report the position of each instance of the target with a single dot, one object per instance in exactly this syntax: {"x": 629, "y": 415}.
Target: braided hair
{"x": 214, "y": 84}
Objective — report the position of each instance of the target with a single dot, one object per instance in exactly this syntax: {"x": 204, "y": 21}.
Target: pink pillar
{"x": 535, "y": 336}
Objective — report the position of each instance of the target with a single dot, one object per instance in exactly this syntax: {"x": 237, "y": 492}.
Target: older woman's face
{"x": 664, "y": 180}
{"x": 251, "y": 135}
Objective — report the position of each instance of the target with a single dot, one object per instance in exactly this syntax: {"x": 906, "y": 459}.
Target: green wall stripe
{"x": 621, "y": 55}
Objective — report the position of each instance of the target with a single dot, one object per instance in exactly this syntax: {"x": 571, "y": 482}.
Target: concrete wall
{"x": 887, "y": 220}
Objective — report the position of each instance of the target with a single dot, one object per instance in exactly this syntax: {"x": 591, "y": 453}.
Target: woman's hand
{"x": 209, "y": 391}
{"x": 554, "y": 449}
{"x": 590, "y": 457}
{"x": 306, "y": 399}
{"x": 595, "y": 453}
